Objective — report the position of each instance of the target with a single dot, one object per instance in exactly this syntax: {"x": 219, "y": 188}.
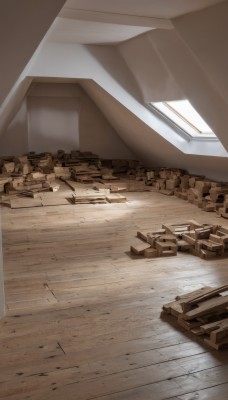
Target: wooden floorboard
{"x": 83, "y": 314}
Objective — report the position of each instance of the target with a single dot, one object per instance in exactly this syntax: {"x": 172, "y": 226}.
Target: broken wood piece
{"x": 183, "y": 245}
{"x": 166, "y": 248}
{"x": 202, "y": 233}
{"x": 167, "y": 238}
{"x": 84, "y": 179}
{"x": 208, "y": 315}
{"x": 139, "y": 247}
{"x": 8, "y": 167}
{"x": 143, "y": 235}
{"x": 211, "y": 306}
{"x": 206, "y": 294}
{"x": 166, "y": 192}
{"x": 150, "y": 253}
{"x": 116, "y": 198}
{"x": 187, "y": 238}
{"x": 54, "y": 187}
{"x": 109, "y": 177}
{"x": 194, "y": 294}
{"x": 173, "y": 308}
{"x": 217, "y": 331}
{"x": 25, "y": 203}
{"x": 62, "y": 172}
{"x": 68, "y": 183}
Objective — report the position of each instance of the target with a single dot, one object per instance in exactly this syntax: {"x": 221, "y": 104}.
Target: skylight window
{"x": 182, "y": 114}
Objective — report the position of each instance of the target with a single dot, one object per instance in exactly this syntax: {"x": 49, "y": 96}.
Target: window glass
{"x": 185, "y": 116}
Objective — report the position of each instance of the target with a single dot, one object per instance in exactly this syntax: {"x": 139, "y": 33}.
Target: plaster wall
{"x": 53, "y": 117}
{"x": 98, "y": 135}
{"x": 23, "y": 25}
{"x": 153, "y": 149}
{"x": 61, "y": 115}
{"x": 2, "y": 297}
{"x": 153, "y": 77}
{"x": 14, "y": 140}
{"x": 123, "y": 85}
{"x": 205, "y": 33}
{"x": 167, "y": 69}
{"x": 53, "y": 123}
{"x": 131, "y": 113}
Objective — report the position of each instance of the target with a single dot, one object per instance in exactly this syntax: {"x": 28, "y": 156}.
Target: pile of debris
{"x": 19, "y": 176}
{"x": 33, "y": 174}
{"x": 203, "y": 312}
{"x": 208, "y": 195}
{"x": 202, "y": 240}
{"x": 92, "y": 197}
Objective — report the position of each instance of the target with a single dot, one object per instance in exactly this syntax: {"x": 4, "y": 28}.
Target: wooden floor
{"x": 83, "y": 315}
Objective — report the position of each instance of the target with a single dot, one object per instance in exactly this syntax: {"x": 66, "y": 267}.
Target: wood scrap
{"x": 25, "y": 203}
{"x": 88, "y": 198}
{"x": 204, "y": 312}
{"x": 217, "y": 332}
{"x": 116, "y": 175}
{"x": 139, "y": 246}
{"x": 116, "y": 198}
{"x": 202, "y": 240}
{"x": 49, "y": 199}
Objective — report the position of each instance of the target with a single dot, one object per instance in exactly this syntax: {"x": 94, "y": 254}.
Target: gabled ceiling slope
{"x": 23, "y": 25}
{"x": 119, "y": 80}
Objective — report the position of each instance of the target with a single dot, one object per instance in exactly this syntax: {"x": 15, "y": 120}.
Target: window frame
{"x": 197, "y": 135}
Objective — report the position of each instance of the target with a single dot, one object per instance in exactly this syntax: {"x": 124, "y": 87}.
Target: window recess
{"x": 182, "y": 114}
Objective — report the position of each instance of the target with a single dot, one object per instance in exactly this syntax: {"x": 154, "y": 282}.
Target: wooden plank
{"x": 138, "y": 247}
{"x": 116, "y": 198}
{"x": 218, "y": 333}
{"x": 105, "y": 308}
{"x": 208, "y": 294}
{"x": 210, "y": 306}
{"x": 25, "y": 203}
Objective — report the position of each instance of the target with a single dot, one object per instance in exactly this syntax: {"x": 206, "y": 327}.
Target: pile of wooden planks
{"x": 154, "y": 244}
{"x": 202, "y": 240}
{"x": 33, "y": 173}
{"x": 209, "y": 195}
{"x": 41, "y": 200}
{"x": 19, "y": 176}
{"x": 95, "y": 197}
{"x": 203, "y": 312}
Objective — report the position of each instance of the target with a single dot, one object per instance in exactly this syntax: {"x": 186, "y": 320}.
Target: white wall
{"x": 53, "y": 123}
{"x": 61, "y": 115}
{"x": 22, "y": 26}
{"x": 97, "y": 134}
{"x": 153, "y": 149}
{"x": 153, "y": 77}
{"x": 205, "y": 33}
{"x": 197, "y": 86}
{"x": 158, "y": 64}
{"x": 14, "y": 141}
{"x": 143, "y": 132}
{"x": 2, "y": 297}
{"x": 166, "y": 68}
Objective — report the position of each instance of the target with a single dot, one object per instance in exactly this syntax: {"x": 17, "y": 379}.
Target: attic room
{"x": 113, "y": 199}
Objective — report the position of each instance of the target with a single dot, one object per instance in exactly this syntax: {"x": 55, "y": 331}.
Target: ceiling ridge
{"x": 116, "y": 18}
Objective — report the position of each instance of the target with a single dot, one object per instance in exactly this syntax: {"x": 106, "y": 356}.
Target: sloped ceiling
{"x": 108, "y": 21}
{"x": 23, "y": 25}
{"x": 152, "y": 8}
{"x": 65, "y": 30}
{"x": 177, "y": 66}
